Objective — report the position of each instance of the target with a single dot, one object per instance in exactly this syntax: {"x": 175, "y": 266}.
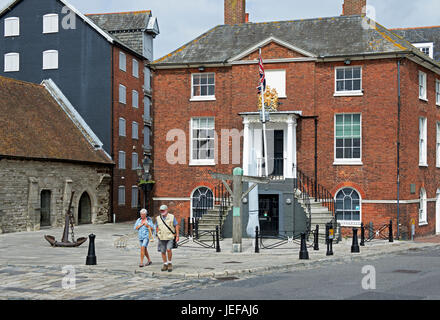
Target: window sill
{"x": 425, "y": 165}
{"x": 423, "y": 99}
{"x": 208, "y": 98}
{"x": 348, "y": 163}
{"x": 350, "y": 223}
{"x": 11, "y": 71}
{"x": 201, "y": 163}
{"x": 423, "y": 223}
{"x": 349, "y": 94}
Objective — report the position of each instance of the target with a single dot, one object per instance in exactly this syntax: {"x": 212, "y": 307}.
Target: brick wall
{"x": 235, "y": 11}
{"x": 126, "y": 177}
{"x": 351, "y": 7}
{"x": 310, "y": 89}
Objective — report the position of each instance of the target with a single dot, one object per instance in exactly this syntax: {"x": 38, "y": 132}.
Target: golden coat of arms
{"x": 270, "y": 100}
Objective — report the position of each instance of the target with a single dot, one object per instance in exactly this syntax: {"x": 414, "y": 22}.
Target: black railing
{"x": 302, "y": 193}
{"x": 222, "y": 199}
{"x": 316, "y": 191}
{"x": 276, "y": 172}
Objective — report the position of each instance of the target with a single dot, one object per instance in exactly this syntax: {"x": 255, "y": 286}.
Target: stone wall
{"x": 21, "y": 183}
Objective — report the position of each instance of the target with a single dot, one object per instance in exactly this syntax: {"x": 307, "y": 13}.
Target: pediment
{"x": 272, "y": 48}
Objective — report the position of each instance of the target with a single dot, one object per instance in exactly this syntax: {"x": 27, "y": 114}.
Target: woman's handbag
{"x": 175, "y": 246}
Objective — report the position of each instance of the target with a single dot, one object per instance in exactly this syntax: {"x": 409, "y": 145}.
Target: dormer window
{"x": 427, "y": 48}
{"x": 12, "y": 27}
{"x": 50, "y": 23}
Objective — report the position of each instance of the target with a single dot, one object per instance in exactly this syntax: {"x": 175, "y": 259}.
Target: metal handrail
{"x": 318, "y": 192}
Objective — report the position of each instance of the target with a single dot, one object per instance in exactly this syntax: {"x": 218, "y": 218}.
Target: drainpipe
{"x": 398, "y": 148}
{"x": 316, "y": 158}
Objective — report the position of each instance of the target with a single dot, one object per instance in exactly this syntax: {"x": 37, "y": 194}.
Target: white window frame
{"x": 50, "y": 60}
{"x": 122, "y": 61}
{"x": 121, "y": 196}
{"x": 423, "y": 208}
{"x": 423, "y": 95}
{"x": 201, "y": 97}
{"x": 121, "y": 160}
{"x": 348, "y": 92}
{"x": 275, "y": 75}
{"x": 12, "y": 65}
{"x": 122, "y": 127}
{"x": 135, "y": 99}
{"x": 429, "y": 45}
{"x": 122, "y": 94}
{"x": 347, "y": 162}
{"x": 201, "y": 162}
{"x": 134, "y": 196}
{"x": 437, "y": 150}
{"x": 135, "y": 130}
{"x": 135, "y": 68}
{"x": 350, "y": 223}
{"x": 12, "y": 27}
{"x": 49, "y": 25}
{"x": 423, "y": 142}
{"x": 134, "y": 164}
{"x": 437, "y": 92}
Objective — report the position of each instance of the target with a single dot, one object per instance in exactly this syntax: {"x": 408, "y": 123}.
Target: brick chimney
{"x": 235, "y": 11}
{"x": 352, "y": 7}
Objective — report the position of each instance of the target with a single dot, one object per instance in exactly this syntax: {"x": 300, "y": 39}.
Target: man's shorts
{"x": 144, "y": 243}
{"x": 165, "y": 245}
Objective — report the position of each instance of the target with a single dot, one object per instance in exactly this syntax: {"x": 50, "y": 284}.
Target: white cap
{"x": 163, "y": 207}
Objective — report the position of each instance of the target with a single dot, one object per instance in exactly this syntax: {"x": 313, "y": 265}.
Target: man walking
{"x": 167, "y": 230}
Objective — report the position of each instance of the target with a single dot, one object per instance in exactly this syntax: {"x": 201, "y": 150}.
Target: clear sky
{"x": 180, "y": 21}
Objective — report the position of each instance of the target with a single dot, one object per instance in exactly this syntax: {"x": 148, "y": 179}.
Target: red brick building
{"x": 373, "y": 96}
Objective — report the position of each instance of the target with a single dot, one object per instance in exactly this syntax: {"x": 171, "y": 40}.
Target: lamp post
{"x": 144, "y": 173}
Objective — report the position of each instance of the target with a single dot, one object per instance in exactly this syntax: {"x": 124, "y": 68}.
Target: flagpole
{"x": 263, "y": 109}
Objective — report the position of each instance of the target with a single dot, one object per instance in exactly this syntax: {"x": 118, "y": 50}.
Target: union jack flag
{"x": 262, "y": 76}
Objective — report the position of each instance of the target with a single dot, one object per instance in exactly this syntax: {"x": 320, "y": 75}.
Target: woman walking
{"x": 144, "y": 226}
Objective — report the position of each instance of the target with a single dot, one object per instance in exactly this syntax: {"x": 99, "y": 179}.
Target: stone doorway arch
{"x": 85, "y": 209}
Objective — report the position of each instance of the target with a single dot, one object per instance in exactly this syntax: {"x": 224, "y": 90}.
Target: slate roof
{"x": 422, "y": 34}
{"x": 127, "y": 27}
{"x": 33, "y": 125}
{"x": 324, "y": 37}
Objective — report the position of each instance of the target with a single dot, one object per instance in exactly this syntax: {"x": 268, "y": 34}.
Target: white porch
{"x": 281, "y": 145}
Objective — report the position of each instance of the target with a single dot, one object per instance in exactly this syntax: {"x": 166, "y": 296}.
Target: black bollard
{"x": 329, "y": 239}
{"x": 196, "y": 225}
{"x": 217, "y": 239}
{"x": 390, "y": 235}
{"x": 316, "y": 244}
{"x": 355, "y": 246}
{"x": 190, "y": 227}
{"x": 91, "y": 257}
{"x": 370, "y": 231}
{"x": 303, "y": 253}
{"x": 257, "y": 248}
{"x": 362, "y": 244}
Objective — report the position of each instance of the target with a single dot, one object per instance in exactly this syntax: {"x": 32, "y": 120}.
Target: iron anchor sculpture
{"x": 65, "y": 239}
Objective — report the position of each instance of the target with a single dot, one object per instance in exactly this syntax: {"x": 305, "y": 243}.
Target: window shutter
{"x": 12, "y": 62}
{"x": 50, "y": 23}
{"x": 12, "y": 27}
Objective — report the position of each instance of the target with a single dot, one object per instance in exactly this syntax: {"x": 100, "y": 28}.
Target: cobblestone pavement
{"x": 31, "y": 269}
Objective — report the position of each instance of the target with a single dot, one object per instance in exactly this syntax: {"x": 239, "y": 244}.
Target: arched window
{"x": 202, "y": 200}
{"x": 423, "y": 207}
{"x": 348, "y": 206}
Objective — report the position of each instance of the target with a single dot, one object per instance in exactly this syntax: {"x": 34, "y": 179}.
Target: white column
{"x": 295, "y": 161}
{"x": 290, "y": 149}
{"x": 246, "y": 147}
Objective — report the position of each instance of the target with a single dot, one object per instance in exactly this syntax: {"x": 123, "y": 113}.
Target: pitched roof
{"x": 422, "y": 35}
{"x": 323, "y": 37}
{"x": 127, "y": 27}
{"x": 33, "y": 125}
{"x": 122, "y": 21}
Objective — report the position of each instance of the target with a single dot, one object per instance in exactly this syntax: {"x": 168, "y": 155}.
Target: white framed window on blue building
{"x": 50, "y": 59}
{"x": 12, "y": 27}
{"x": 50, "y": 23}
{"x": 12, "y": 62}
